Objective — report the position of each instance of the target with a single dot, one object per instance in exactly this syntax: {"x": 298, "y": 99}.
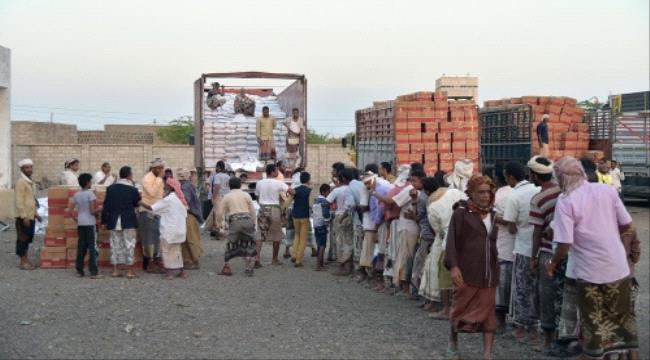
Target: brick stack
{"x": 435, "y": 131}
{"x": 62, "y": 237}
{"x": 54, "y": 251}
{"x": 568, "y": 134}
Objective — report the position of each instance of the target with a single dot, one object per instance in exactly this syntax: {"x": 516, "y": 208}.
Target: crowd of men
{"x": 543, "y": 247}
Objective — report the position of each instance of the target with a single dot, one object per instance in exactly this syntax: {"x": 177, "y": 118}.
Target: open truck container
{"x": 292, "y": 96}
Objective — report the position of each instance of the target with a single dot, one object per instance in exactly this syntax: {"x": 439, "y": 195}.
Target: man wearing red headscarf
{"x": 471, "y": 257}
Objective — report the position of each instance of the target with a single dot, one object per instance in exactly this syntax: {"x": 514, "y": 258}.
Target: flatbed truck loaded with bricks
{"x": 508, "y": 129}
{"x": 222, "y": 134}
{"x": 424, "y": 127}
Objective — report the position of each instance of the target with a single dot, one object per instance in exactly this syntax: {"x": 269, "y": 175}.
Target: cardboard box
{"x": 70, "y": 234}
{"x": 57, "y": 192}
{"x": 56, "y": 211}
{"x": 100, "y": 194}
{"x": 54, "y": 231}
{"x": 71, "y": 243}
{"x": 103, "y": 235}
{"x": 54, "y": 241}
{"x": 53, "y": 257}
{"x": 69, "y": 224}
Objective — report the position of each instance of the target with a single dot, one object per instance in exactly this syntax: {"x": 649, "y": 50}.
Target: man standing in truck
{"x": 542, "y": 136}
{"x": 295, "y": 134}
{"x": 264, "y": 131}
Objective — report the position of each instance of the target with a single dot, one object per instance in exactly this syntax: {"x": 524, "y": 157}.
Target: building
{"x": 6, "y": 195}
{"x": 459, "y": 87}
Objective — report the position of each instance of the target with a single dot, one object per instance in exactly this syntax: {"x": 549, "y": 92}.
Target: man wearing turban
{"x": 26, "y": 213}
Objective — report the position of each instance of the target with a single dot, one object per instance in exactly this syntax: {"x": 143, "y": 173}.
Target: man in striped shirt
{"x": 542, "y": 208}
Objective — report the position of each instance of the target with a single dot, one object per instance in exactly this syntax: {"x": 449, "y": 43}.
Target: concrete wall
{"x": 49, "y": 159}
{"x": 137, "y": 129}
{"x": 113, "y": 137}
{"x": 38, "y": 132}
{"x": 320, "y": 159}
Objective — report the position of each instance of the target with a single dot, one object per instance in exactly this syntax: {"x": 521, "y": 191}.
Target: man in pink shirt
{"x": 589, "y": 219}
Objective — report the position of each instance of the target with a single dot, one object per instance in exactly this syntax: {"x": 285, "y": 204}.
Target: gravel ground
{"x": 281, "y": 312}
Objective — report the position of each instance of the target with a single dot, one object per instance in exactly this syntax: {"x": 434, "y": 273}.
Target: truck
{"x": 211, "y": 145}
{"x": 621, "y": 130}
{"x": 508, "y": 129}
{"x": 424, "y": 127}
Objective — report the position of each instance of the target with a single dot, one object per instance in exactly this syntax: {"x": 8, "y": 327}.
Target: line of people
{"x": 489, "y": 253}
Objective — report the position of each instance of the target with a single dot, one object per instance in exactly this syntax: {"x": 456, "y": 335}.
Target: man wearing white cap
{"x": 26, "y": 213}
{"x": 148, "y": 223}
{"x": 69, "y": 175}
{"x": 457, "y": 179}
{"x": 542, "y": 209}
{"x": 542, "y": 136}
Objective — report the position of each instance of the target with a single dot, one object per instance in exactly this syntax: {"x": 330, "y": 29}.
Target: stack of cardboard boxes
{"x": 61, "y": 235}
{"x": 426, "y": 127}
{"x": 568, "y": 133}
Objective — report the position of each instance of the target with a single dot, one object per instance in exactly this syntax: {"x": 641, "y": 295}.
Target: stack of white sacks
{"x": 231, "y": 137}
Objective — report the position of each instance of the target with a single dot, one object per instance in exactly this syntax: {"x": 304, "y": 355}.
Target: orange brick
{"x": 428, "y": 137}
{"x": 417, "y": 148}
{"x": 440, "y": 96}
{"x": 459, "y": 135}
{"x": 531, "y": 100}
{"x": 443, "y": 137}
{"x": 401, "y": 138}
{"x": 444, "y": 146}
{"x": 430, "y": 147}
{"x": 458, "y": 146}
{"x": 401, "y": 147}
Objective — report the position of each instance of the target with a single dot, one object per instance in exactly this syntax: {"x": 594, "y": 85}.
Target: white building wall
{"x": 5, "y": 121}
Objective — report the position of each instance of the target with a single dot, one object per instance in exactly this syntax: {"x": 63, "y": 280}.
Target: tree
{"x": 178, "y": 131}
{"x": 314, "y": 138}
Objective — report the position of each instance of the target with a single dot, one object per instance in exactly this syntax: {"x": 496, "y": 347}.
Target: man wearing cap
{"x": 26, "y": 213}
{"x": 149, "y": 224}
{"x": 69, "y": 176}
{"x": 542, "y": 209}
{"x": 192, "y": 249}
{"x": 542, "y": 136}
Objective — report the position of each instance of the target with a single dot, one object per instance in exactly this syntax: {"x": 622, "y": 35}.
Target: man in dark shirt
{"x": 542, "y": 136}
{"x": 300, "y": 214}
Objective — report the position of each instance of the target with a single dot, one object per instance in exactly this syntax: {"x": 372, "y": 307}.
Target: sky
{"x": 93, "y": 62}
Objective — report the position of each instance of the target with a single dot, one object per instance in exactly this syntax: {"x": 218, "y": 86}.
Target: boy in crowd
{"x": 300, "y": 215}
{"x": 85, "y": 203}
{"x": 321, "y": 216}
